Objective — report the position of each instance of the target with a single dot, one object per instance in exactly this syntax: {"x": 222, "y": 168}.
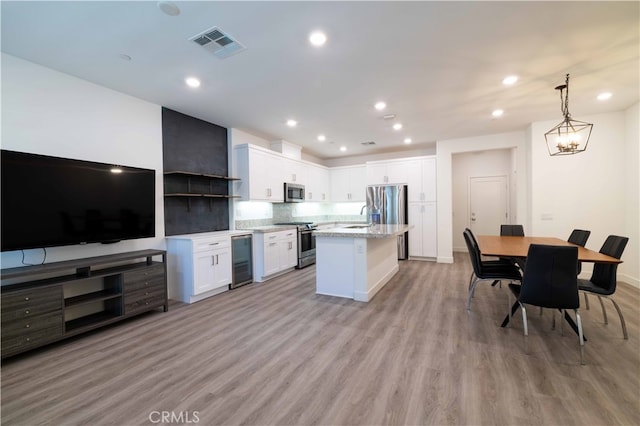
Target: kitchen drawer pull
{"x": 27, "y": 326}
{"x": 26, "y": 312}
{"x": 213, "y": 244}
{"x": 26, "y": 298}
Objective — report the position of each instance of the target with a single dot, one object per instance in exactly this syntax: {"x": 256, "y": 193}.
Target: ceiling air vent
{"x": 368, "y": 143}
{"x": 218, "y": 42}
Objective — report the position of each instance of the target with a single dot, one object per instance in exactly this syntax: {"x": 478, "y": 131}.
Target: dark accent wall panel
{"x": 193, "y": 145}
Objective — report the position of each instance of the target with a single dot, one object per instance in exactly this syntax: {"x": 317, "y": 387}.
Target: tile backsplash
{"x": 250, "y": 214}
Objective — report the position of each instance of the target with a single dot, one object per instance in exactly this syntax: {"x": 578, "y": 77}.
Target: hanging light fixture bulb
{"x": 570, "y": 136}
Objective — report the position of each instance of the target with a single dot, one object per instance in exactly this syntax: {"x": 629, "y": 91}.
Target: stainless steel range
{"x": 306, "y": 243}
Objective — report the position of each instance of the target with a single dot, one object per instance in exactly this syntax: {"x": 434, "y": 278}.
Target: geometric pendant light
{"x": 570, "y": 136}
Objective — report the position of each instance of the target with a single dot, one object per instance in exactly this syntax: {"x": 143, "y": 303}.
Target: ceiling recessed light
{"x": 168, "y": 8}
{"x": 397, "y": 126}
{"x": 604, "y": 96}
{"x": 407, "y": 140}
{"x": 292, "y": 123}
{"x": 380, "y": 106}
{"x": 322, "y": 138}
{"x": 318, "y": 38}
{"x": 343, "y": 148}
{"x": 192, "y": 82}
{"x": 497, "y": 113}
{"x": 509, "y": 80}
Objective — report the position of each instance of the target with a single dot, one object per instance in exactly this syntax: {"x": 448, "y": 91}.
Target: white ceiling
{"x": 438, "y": 65}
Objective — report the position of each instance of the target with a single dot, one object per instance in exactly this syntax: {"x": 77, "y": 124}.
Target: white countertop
{"x": 211, "y": 234}
{"x": 363, "y": 231}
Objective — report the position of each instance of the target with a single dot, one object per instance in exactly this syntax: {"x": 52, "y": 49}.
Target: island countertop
{"x": 363, "y": 231}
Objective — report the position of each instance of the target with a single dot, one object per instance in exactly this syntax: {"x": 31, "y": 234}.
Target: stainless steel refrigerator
{"x": 387, "y": 204}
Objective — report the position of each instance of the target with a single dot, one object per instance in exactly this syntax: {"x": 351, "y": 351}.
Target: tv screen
{"x": 51, "y": 201}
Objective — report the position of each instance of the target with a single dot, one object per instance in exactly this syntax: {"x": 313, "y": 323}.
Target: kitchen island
{"x": 356, "y": 261}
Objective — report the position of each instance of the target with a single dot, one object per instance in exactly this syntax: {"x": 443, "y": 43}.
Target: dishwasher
{"x": 242, "y": 260}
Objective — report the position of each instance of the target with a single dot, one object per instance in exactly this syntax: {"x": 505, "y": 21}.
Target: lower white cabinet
{"x": 422, "y": 237}
{"x": 275, "y": 252}
{"x": 199, "y": 266}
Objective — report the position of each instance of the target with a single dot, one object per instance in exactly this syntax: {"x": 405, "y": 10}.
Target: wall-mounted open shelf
{"x": 192, "y": 185}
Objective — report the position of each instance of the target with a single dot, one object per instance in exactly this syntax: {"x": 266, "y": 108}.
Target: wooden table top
{"x": 503, "y": 246}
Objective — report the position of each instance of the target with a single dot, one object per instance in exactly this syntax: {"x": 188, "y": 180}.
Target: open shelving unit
{"x": 191, "y": 185}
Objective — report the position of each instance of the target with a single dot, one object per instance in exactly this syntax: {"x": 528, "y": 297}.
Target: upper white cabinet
{"x": 387, "y": 172}
{"x": 260, "y": 173}
{"x": 293, "y": 171}
{"x": 317, "y": 186}
{"x": 348, "y": 184}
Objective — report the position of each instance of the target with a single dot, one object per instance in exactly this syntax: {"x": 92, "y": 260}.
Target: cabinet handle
{"x": 310, "y": 195}
{"x": 272, "y": 244}
{"x": 213, "y": 260}
{"x": 27, "y": 326}
{"x": 293, "y": 176}
{"x": 323, "y": 195}
{"x": 26, "y": 312}
{"x": 217, "y": 262}
{"x": 290, "y": 245}
{"x": 213, "y": 244}
{"x": 26, "y": 298}
{"x": 28, "y": 339}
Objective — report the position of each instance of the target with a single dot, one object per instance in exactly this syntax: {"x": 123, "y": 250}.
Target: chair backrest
{"x": 604, "y": 274}
{"x": 549, "y": 278}
{"x": 474, "y": 251}
{"x": 579, "y": 237}
{"x": 512, "y": 230}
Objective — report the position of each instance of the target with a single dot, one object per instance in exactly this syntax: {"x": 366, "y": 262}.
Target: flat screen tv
{"x": 51, "y": 201}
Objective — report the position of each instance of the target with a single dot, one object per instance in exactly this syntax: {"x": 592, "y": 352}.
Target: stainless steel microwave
{"x": 293, "y": 193}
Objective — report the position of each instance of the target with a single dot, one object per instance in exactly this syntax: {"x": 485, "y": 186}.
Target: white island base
{"x": 354, "y": 265}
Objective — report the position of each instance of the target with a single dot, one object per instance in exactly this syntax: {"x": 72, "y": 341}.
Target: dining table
{"x": 518, "y": 247}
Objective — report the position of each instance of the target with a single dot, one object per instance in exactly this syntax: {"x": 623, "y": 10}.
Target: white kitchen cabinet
{"x": 199, "y": 266}
{"x": 423, "y": 235}
{"x": 293, "y": 171}
{"x": 422, "y": 180}
{"x": 317, "y": 187}
{"x": 275, "y": 252}
{"x": 348, "y": 184}
{"x": 260, "y": 173}
{"x": 387, "y": 172}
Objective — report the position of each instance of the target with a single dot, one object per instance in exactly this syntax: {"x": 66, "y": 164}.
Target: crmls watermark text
{"x": 172, "y": 417}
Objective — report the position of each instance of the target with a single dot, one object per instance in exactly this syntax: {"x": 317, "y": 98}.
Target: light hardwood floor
{"x": 277, "y": 353}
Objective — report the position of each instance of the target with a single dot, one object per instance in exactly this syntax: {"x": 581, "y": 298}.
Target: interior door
{"x": 488, "y": 204}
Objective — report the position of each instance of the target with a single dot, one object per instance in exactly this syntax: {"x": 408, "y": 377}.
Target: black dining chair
{"x": 513, "y": 231}
{"x": 603, "y": 279}
{"x": 549, "y": 281}
{"x": 579, "y": 237}
{"x": 489, "y": 270}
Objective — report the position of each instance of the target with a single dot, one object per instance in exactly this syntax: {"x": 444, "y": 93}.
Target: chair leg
{"x": 471, "y": 280}
{"x": 553, "y": 319}
{"x": 604, "y": 311}
{"x": 471, "y": 291}
{"x": 526, "y": 329}
{"x": 586, "y": 301}
{"x": 540, "y": 310}
{"x": 624, "y": 325}
{"x": 580, "y": 336}
{"x": 562, "y": 314}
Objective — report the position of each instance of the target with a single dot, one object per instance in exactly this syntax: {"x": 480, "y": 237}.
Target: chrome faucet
{"x": 363, "y": 207}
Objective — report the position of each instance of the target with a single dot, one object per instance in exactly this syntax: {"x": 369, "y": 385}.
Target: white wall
{"x": 445, "y": 151}
{"x": 50, "y": 113}
{"x": 467, "y": 165}
{"x": 630, "y": 269}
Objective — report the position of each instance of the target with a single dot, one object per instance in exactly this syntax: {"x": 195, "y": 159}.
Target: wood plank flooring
{"x": 278, "y": 354}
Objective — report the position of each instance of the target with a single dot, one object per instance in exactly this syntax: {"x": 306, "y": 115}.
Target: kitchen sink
{"x": 357, "y": 226}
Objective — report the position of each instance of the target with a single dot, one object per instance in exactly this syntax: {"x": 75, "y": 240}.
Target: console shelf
{"x": 39, "y": 310}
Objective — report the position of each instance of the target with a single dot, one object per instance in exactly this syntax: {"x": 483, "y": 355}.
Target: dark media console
{"x": 55, "y": 304}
